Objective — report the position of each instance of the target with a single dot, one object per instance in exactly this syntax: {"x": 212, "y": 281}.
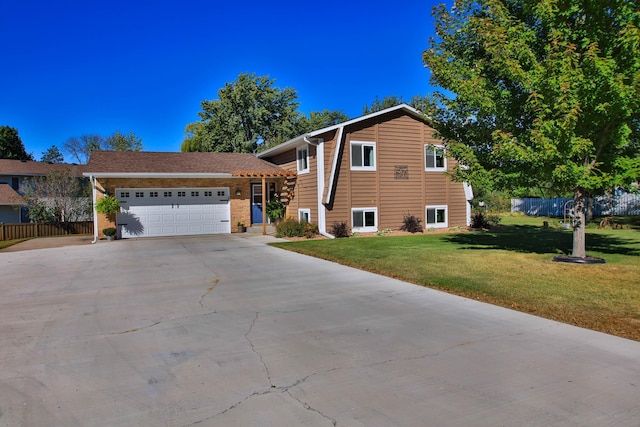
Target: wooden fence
{"x": 47, "y": 229}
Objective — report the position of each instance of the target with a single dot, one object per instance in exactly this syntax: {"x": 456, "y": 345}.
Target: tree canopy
{"x": 540, "y": 93}
{"x": 419, "y": 102}
{"x": 81, "y": 147}
{"x": 52, "y": 155}
{"x": 57, "y": 197}
{"x": 248, "y": 112}
{"x": 251, "y": 114}
{"x": 11, "y": 146}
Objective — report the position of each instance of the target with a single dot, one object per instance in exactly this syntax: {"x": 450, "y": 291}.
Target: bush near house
{"x": 340, "y": 229}
{"x": 294, "y": 228}
{"x": 411, "y": 224}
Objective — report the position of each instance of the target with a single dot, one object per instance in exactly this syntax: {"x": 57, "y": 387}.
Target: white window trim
{"x": 365, "y": 229}
{"x": 375, "y": 155}
{"x": 302, "y": 212}
{"x": 445, "y": 224}
{"x": 435, "y": 169}
{"x": 298, "y": 150}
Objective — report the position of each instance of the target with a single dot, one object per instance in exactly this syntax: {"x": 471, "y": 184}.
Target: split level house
{"x": 371, "y": 171}
{"x": 13, "y": 174}
{"x": 367, "y": 172}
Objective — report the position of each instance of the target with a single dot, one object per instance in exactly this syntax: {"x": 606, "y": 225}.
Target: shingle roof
{"x": 20, "y": 168}
{"x": 8, "y": 196}
{"x": 141, "y": 162}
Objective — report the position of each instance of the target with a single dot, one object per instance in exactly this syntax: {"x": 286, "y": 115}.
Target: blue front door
{"x": 256, "y": 203}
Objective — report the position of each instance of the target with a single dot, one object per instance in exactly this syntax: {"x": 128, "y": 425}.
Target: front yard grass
{"x": 510, "y": 266}
{"x": 7, "y": 243}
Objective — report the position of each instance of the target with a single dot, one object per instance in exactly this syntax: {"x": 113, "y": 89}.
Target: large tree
{"x": 81, "y": 147}
{"x": 248, "y": 112}
{"x": 318, "y": 120}
{"x": 11, "y": 146}
{"x": 52, "y": 155}
{"x": 57, "y": 197}
{"x": 541, "y": 93}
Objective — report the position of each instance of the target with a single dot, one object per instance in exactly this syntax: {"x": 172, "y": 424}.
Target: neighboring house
{"x": 371, "y": 171}
{"x": 13, "y": 173}
{"x": 10, "y": 205}
{"x": 169, "y": 194}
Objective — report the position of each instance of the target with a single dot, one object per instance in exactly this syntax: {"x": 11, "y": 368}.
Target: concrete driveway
{"x": 226, "y": 331}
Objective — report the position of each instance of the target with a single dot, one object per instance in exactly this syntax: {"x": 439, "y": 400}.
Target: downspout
{"x": 322, "y": 220}
{"x": 95, "y": 213}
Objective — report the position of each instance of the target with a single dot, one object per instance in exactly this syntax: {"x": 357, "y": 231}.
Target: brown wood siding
{"x": 307, "y": 188}
{"x": 286, "y": 160}
{"x": 367, "y": 134}
{"x": 400, "y": 144}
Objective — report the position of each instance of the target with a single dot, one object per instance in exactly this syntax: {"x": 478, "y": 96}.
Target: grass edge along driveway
{"x": 510, "y": 266}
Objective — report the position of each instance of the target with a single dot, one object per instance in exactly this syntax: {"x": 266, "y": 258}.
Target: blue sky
{"x": 84, "y": 67}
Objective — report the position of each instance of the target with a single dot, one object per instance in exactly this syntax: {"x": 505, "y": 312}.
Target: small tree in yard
{"x": 57, "y": 197}
{"x": 545, "y": 94}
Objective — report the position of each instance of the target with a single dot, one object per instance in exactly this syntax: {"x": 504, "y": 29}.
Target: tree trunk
{"x": 579, "y": 241}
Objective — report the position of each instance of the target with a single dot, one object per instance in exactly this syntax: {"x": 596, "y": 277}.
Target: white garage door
{"x": 152, "y": 212}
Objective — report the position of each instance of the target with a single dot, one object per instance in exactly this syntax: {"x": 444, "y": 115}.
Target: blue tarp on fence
{"x": 621, "y": 204}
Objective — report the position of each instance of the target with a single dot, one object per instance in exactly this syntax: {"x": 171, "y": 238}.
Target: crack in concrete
{"x": 272, "y": 388}
{"x": 253, "y": 348}
{"x": 135, "y": 329}
{"x": 209, "y": 290}
{"x": 308, "y": 407}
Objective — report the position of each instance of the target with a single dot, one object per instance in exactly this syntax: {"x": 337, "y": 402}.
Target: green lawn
{"x": 511, "y": 266}
{"x": 7, "y": 243}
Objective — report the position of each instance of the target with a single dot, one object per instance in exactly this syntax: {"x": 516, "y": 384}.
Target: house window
{"x": 182, "y": 193}
{"x": 437, "y": 217}
{"x": 168, "y": 194}
{"x": 434, "y": 158}
{"x": 363, "y": 155}
{"x": 124, "y": 194}
{"x": 303, "y": 160}
{"x": 153, "y": 194}
{"x": 15, "y": 183}
{"x": 221, "y": 193}
{"x": 139, "y": 194}
{"x": 195, "y": 194}
{"x": 304, "y": 215}
{"x": 364, "y": 219}
{"x": 208, "y": 194}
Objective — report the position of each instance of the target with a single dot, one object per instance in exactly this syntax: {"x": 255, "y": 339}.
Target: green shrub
{"x": 294, "y": 228}
{"x": 310, "y": 230}
{"x": 275, "y": 209}
{"x": 110, "y": 231}
{"x": 108, "y": 205}
{"x": 289, "y": 228}
{"x": 482, "y": 220}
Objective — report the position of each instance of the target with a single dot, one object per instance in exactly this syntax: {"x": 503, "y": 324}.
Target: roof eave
{"x": 300, "y": 139}
{"x": 156, "y": 175}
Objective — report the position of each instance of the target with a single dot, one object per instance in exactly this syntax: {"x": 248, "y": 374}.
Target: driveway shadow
{"x": 531, "y": 239}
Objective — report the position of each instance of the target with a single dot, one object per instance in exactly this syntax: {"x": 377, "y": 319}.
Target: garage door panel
{"x": 174, "y": 212}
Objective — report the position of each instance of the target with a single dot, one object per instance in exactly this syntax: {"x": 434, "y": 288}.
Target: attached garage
{"x": 154, "y": 212}
{"x": 177, "y": 194}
